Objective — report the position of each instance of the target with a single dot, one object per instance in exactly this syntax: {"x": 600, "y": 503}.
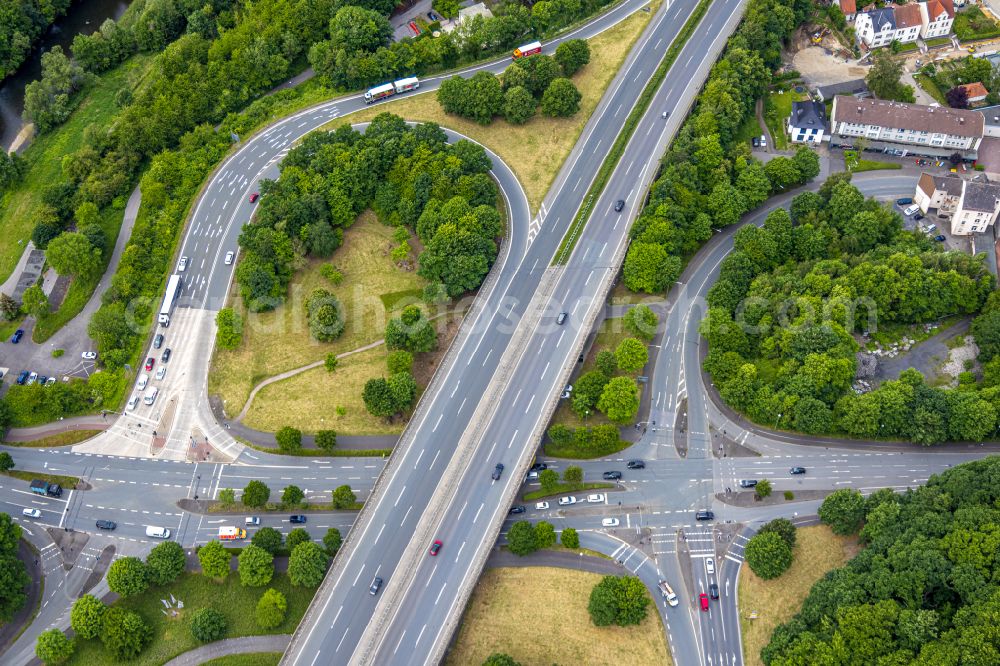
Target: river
{"x": 84, "y": 16}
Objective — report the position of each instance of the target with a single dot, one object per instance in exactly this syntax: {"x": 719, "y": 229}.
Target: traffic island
{"x": 725, "y": 446}
{"x": 70, "y": 542}
{"x": 748, "y": 498}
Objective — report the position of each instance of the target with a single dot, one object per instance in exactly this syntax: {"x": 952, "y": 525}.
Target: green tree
{"x": 378, "y": 397}
{"x": 521, "y": 538}
{"x": 783, "y": 528}
{"x": 86, "y": 616}
{"x": 332, "y": 541}
{"x": 6, "y": 461}
{"x": 883, "y": 78}
{"x": 649, "y": 268}
{"x": 573, "y": 474}
{"x": 398, "y": 361}
{"x": 307, "y": 565}
{"x": 768, "y": 555}
{"x": 569, "y": 538}
{"x": 165, "y": 563}
{"x": 34, "y": 301}
{"x": 807, "y": 162}
{"x": 561, "y": 99}
{"x": 72, "y": 254}
{"x": 343, "y": 497}
{"x": 124, "y": 633}
{"x": 641, "y": 321}
{"x": 214, "y": 560}
{"x": 255, "y": 566}
{"x": 763, "y": 488}
{"x": 227, "y": 497}
{"x": 256, "y": 494}
{"x": 545, "y": 534}
{"x": 587, "y": 391}
{"x": 271, "y": 609}
{"x": 572, "y": 55}
{"x": 9, "y": 308}
{"x": 549, "y": 480}
{"x": 355, "y": 28}
{"x": 330, "y": 362}
{"x": 782, "y": 173}
{"x": 618, "y": 600}
{"x": 411, "y": 331}
{"x": 128, "y": 576}
{"x": 297, "y": 536}
{"x": 605, "y": 362}
{"x": 446, "y": 8}
{"x": 620, "y": 400}
{"x": 208, "y": 624}
{"x": 268, "y": 538}
{"x": 326, "y": 439}
{"x": 631, "y": 355}
{"x": 843, "y": 510}
{"x": 53, "y": 647}
{"x": 292, "y": 496}
{"x": 518, "y": 105}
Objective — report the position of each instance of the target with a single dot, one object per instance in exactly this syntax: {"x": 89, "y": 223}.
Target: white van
{"x": 143, "y": 380}
{"x": 911, "y": 210}
{"x": 133, "y": 401}
{"x": 251, "y": 521}
{"x": 157, "y": 532}
{"x": 150, "y": 396}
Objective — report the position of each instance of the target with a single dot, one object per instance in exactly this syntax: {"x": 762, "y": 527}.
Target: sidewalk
{"x": 244, "y": 645}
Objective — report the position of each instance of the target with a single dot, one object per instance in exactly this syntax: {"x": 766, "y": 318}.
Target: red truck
{"x": 527, "y": 50}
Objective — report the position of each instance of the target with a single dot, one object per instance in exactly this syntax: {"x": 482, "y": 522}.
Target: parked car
{"x": 704, "y": 515}
{"x": 32, "y": 378}
{"x": 106, "y": 524}
{"x": 229, "y": 257}
{"x": 50, "y": 381}
{"x": 532, "y": 476}
{"x": 619, "y": 205}
{"x": 748, "y": 483}
{"x": 713, "y": 591}
{"x": 538, "y": 467}
{"x": 432, "y": 16}
{"x": 940, "y": 238}
{"x": 149, "y": 363}
{"x": 297, "y": 519}
{"x": 597, "y": 498}
{"x": 23, "y": 377}
{"x": 567, "y": 500}
{"x": 702, "y": 600}
{"x": 18, "y": 334}
{"x": 88, "y": 356}
{"x": 567, "y": 392}
{"x": 517, "y": 508}
{"x": 158, "y": 341}
{"x": 161, "y": 372}
{"x": 140, "y": 385}
{"x": 165, "y": 356}
{"x": 797, "y": 470}
{"x": 497, "y": 471}
{"x": 610, "y": 522}
{"x": 42, "y": 379}
{"x": 132, "y": 402}
{"x": 541, "y": 506}
{"x": 254, "y": 196}
{"x": 755, "y": 142}
{"x": 636, "y": 464}
{"x": 763, "y": 141}
{"x": 376, "y": 584}
{"x": 611, "y": 476}
{"x": 918, "y": 217}
{"x": 435, "y": 548}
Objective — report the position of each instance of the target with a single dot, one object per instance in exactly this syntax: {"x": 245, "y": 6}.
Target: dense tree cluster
{"x": 358, "y": 53}
{"x": 13, "y": 575}
{"x": 21, "y": 23}
{"x": 517, "y": 93}
{"x": 924, "y": 589}
{"x": 592, "y": 442}
{"x": 791, "y": 295}
{"x": 708, "y": 179}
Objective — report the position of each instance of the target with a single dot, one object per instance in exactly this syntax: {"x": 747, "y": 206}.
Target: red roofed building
{"x": 849, "y": 9}
{"x": 976, "y": 92}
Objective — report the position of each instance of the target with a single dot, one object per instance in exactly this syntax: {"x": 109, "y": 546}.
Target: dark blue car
{"x": 18, "y": 334}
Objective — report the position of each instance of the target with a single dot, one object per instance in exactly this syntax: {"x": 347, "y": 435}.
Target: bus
{"x": 390, "y": 89}
{"x": 174, "y": 286}
{"x": 527, "y": 50}
{"x": 232, "y": 533}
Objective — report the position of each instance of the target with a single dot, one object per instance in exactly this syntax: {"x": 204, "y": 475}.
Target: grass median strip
{"x": 67, "y": 438}
{"x": 67, "y": 482}
{"x": 618, "y": 148}
{"x": 563, "y": 488}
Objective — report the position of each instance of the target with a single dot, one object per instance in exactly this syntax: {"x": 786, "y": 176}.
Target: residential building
{"x": 972, "y": 205}
{"x": 939, "y": 129}
{"x": 807, "y": 124}
{"x": 849, "y": 8}
{"x": 975, "y": 92}
{"x": 936, "y": 17}
{"x": 991, "y": 116}
{"x": 881, "y": 27}
{"x": 853, "y": 87}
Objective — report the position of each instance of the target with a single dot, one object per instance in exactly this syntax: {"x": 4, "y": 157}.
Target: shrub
{"x": 271, "y": 609}
{"x": 619, "y": 600}
{"x": 292, "y": 496}
{"x": 289, "y": 439}
{"x": 256, "y": 566}
{"x": 128, "y": 576}
{"x": 229, "y": 333}
{"x": 295, "y": 537}
{"x": 53, "y": 647}
{"x": 326, "y": 439}
{"x": 208, "y": 625}
{"x": 124, "y": 633}
{"x": 330, "y": 362}
{"x": 165, "y": 563}
{"x": 399, "y": 360}
{"x": 269, "y": 539}
{"x": 768, "y": 555}
{"x": 545, "y": 534}
{"x": 87, "y": 615}
{"x": 332, "y": 541}
{"x": 307, "y": 565}
{"x": 569, "y": 538}
{"x": 256, "y": 494}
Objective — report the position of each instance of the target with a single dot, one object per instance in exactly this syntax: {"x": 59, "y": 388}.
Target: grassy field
{"x": 369, "y": 276}
{"x": 172, "y": 636}
{"x": 611, "y": 333}
{"x": 817, "y": 550}
{"x": 857, "y": 165}
{"x": 256, "y": 659}
{"x": 67, "y": 482}
{"x": 777, "y": 108}
{"x": 44, "y": 160}
{"x": 536, "y": 150}
{"x": 930, "y": 87}
{"x": 972, "y": 23}
{"x": 749, "y": 129}
{"x": 60, "y": 439}
{"x": 937, "y": 41}
{"x": 551, "y": 624}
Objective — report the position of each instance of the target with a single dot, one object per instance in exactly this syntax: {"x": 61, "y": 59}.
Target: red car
{"x": 149, "y": 363}
{"x": 703, "y": 600}
{"x": 254, "y": 197}
{"x": 435, "y": 548}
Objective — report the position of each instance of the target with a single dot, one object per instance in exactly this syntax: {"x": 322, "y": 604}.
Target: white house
{"x": 972, "y": 205}
{"x": 913, "y": 124}
{"x": 881, "y": 27}
{"x": 849, "y": 8}
{"x": 936, "y": 17}
{"x": 807, "y": 124}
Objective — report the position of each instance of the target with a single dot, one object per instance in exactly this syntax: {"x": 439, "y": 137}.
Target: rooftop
{"x": 907, "y": 16}
{"x": 848, "y": 7}
{"x": 883, "y": 19}
{"x": 951, "y": 184}
{"x": 808, "y": 115}
{"x": 975, "y": 90}
{"x": 981, "y": 196}
{"x": 851, "y": 87}
{"x": 991, "y": 115}
{"x": 883, "y": 113}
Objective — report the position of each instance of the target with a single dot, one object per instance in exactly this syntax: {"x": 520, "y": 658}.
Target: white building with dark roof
{"x": 916, "y": 125}
{"x": 807, "y": 124}
{"x": 972, "y": 205}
